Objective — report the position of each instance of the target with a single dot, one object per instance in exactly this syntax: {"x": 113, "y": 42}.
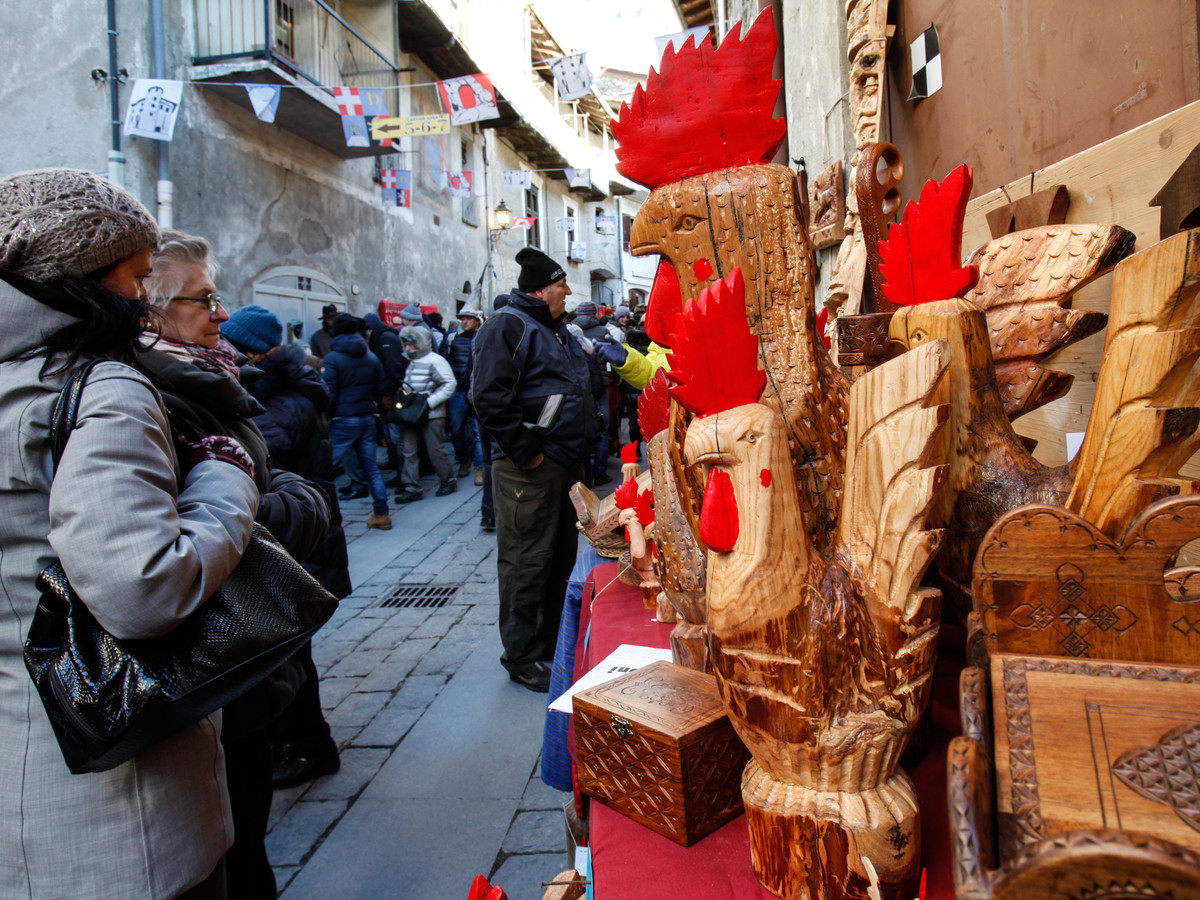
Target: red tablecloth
{"x": 631, "y": 862}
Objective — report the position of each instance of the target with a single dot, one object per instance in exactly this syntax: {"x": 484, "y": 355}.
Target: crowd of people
{"x": 201, "y": 420}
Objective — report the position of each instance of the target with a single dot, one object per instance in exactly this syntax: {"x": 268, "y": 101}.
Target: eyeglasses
{"x": 212, "y": 301}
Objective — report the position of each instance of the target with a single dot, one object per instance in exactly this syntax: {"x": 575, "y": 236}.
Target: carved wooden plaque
{"x": 1049, "y": 583}
{"x": 1095, "y": 744}
{"x": 863, "y": 340}
{"x": 827, "y": 207}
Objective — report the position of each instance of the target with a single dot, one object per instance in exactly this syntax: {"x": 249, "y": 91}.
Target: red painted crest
{"x": 704, "y": 109}
{"x": 921, "y": 261}
{"x": 654, "y": 406}
{"x": 714, "y": 361}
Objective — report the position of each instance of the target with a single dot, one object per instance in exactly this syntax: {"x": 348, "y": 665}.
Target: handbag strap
{"x": 66, "y": 409}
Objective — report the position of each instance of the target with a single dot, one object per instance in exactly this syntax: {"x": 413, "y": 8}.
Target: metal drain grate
{"x": 421, "y": 596}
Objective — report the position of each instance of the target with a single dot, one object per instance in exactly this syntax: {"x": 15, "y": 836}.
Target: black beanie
{"x": 537, "y": 270}
{"x": 345, "y": 323}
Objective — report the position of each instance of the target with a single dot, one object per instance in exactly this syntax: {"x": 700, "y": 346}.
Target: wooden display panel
{"x": 1095, "y": 744}
{"x": 1110, "y": 183}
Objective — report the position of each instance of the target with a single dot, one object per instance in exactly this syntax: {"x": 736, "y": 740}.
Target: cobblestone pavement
{"x": 439, "y": 750}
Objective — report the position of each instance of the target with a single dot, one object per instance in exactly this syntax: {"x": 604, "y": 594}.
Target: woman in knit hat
{"x": 143, "y": 546}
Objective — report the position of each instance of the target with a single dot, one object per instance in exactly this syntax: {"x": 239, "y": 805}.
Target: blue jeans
{"x": 359, "y": 432}
{"x": 463, "y": 432}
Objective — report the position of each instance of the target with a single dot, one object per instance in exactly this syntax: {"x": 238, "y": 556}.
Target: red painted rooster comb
{"x": 704, "y": 109}
{"x": 921, "y": 261}
{"x": 714, "y": 363}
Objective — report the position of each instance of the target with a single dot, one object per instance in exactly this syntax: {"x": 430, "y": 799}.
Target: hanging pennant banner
{"x": 396, "y": 127}
{"x": 153, "y": 108}
{"x": 572, "y": 76}
{"x": 264, "y": 99}
{"x": 578, "y": 177}
{"x": 459, "y": 184}
{"x": 564, "y": 223}
{"x": 523, "y": 222}
{"x": 469, "y": 98}
{"x": 606, "y": 224}
{"x": 358, "y": 107}
{"x": 352, "y": 101}
{"x": 517, "y": 178}
{"x": 397, "y": 187}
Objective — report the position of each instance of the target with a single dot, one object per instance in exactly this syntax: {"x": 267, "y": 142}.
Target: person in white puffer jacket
{"x": 428, "y": 373}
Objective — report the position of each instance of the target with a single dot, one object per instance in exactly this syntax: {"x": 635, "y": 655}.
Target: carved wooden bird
{"x": 823, "y": 659}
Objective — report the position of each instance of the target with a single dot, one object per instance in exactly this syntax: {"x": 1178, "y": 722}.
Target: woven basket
{"x": 610, "y": 545}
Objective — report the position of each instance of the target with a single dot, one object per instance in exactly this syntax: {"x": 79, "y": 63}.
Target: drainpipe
{"x": 621, "y": 255}
{"x": 166, "y": 190}
{"x": 116, "y": 162}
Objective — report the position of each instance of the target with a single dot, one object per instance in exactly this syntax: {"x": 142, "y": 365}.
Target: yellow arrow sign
{"x": 393, "y": 127}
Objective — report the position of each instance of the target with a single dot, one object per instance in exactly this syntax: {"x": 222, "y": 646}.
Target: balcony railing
{"x": 304, "y": 37}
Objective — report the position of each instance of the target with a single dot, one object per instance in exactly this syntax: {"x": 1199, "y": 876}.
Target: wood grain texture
{"x": 1050, "y": 583}
{"x": 656, "y": 745}
{"x": 867, "y": 34}
{"x": 990, "y": 470}
{"x": 1113, "y": 181}
{"x": 748, "y": 218}
{"x": 969, "y": 784}
{"x": 1027, "y": 281}
{"x": 827, "y": 207}
{"x": 877, "y": 187}
{"x": 1142, "y": 428}
{"x": 1045, "y": 207}
{"x": 824, "y": 661}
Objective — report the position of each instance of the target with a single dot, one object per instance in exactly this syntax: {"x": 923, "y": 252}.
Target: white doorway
{"x": 296, "y": 293}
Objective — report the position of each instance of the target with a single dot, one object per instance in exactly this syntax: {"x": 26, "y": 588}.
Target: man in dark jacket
{"x": 463, "y": 434}
{"x": 323, "y": 336}
{"x": 384, "y": 342}
{"x": 354, "y": 377}
{"x": 532, "y": 393}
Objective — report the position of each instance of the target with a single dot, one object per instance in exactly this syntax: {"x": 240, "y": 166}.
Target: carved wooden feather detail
{"x": 1143, "y": 423}
{"x": 1026, "y": 283}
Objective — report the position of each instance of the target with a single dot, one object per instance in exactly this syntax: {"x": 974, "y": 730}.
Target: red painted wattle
{"x": 664, "y": 308}
{"x": 719, "y": 514}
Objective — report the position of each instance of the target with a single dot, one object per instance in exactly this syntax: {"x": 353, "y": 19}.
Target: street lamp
{"x": 503, "y": 218}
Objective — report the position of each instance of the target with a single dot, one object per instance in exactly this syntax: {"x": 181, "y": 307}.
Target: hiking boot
{"x": 534, "y": 677}
{"x": 408, "y": 496}
{"x": 448, "y": 488}
{"x": 382, "y": 521}
{"x": 294, "y": 769}
{"x": 463, "y": 469}
{"x": 478, "y": 475}
{"x": 488, "y": 525}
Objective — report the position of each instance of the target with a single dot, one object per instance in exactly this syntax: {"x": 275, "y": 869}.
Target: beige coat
{"x": 143, "y": 555}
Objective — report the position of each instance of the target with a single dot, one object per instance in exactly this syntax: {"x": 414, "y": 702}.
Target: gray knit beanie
{"x": 58, "y": 223}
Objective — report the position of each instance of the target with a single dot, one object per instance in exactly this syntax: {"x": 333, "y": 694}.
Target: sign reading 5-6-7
{"x": 393, "y": 127}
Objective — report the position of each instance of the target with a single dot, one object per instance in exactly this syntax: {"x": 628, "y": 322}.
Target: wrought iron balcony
{"x": 301, "y": 44}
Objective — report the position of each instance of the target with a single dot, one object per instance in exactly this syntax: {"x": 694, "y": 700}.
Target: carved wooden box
{"x": 657, "y": 745}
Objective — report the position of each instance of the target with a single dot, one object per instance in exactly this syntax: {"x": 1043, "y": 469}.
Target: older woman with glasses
{"x": 196, "y": 371}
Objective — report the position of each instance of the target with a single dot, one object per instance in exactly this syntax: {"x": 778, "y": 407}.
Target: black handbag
{"x": 409, "y": 408}
{"x": 110, "y": 699}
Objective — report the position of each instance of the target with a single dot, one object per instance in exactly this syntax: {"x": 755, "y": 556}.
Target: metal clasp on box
{"x": 623, "y": 727}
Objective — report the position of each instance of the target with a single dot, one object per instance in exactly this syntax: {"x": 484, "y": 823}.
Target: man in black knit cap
{"x": 532, "y": 393}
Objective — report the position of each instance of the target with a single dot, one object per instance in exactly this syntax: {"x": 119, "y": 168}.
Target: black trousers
{"x": 536, "y": 543}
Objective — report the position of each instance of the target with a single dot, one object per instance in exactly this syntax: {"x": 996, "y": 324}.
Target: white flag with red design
{"x": 469, "y": 98}
{"x": 459, "y": 183}
{"x": 523, "y": 222}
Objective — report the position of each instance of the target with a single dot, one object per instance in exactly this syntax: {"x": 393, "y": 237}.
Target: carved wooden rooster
{"x": 823, "y": 660}
{"x": 700, "y": 134}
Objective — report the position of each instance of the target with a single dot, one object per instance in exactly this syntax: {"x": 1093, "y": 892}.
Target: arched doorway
{"x": 294, "y": 292}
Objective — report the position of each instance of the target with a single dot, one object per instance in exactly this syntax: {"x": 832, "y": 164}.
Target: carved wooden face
{"x": 709, "y": 224}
